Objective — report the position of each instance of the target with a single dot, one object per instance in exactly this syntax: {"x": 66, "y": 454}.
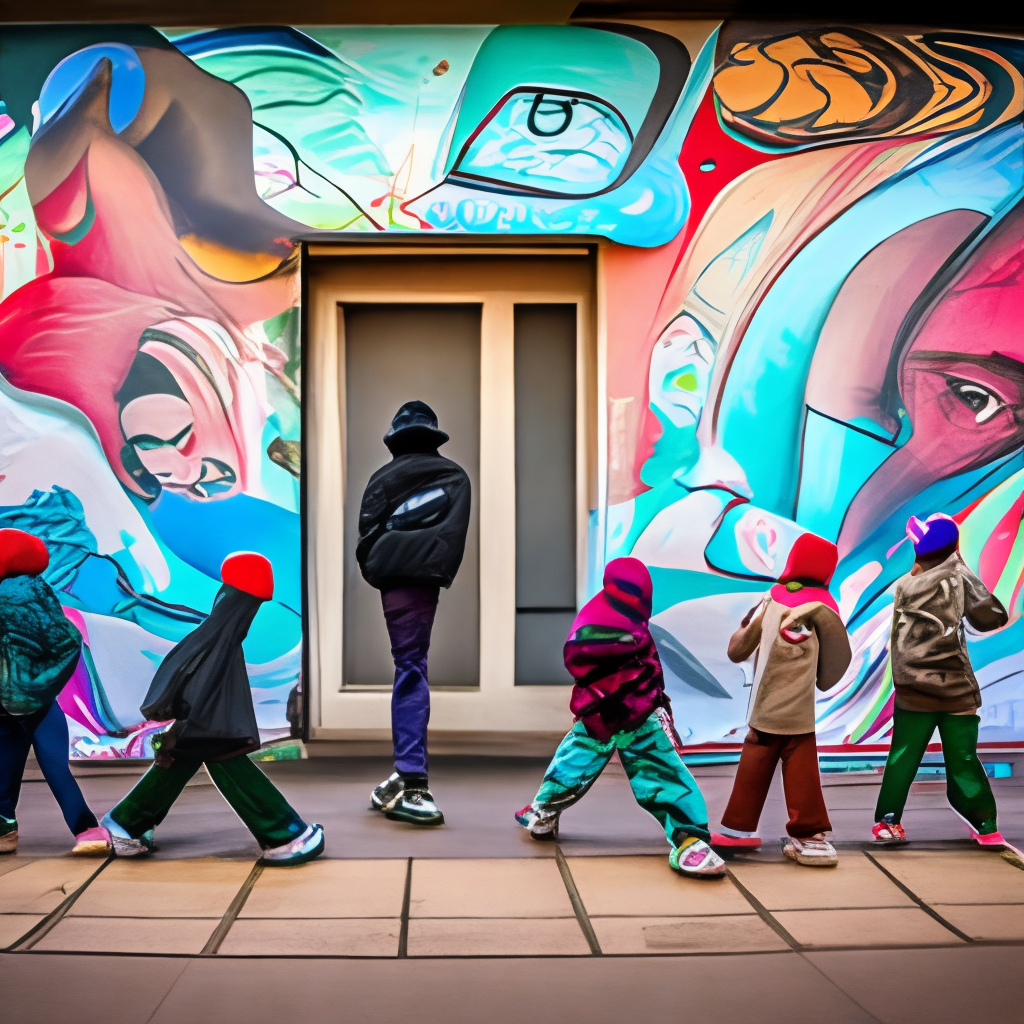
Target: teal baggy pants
{"x": 661, "y": 783}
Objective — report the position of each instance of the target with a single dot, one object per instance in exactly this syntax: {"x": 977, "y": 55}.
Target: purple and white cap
{"x": 932, "y": 534}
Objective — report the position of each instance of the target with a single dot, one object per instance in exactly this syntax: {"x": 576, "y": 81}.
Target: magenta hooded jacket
{"x": 611, "y": 656}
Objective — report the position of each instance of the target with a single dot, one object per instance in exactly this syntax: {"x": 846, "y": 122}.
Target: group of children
{"x": 618, "y": 700}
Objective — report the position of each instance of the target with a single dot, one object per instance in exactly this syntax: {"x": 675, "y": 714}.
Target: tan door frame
{"x": 356, "y": 275}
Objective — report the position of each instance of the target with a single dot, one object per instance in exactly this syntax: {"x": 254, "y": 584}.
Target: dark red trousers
{"x": 762, "y": 751}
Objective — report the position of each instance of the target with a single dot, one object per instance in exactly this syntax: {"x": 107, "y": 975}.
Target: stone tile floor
{"x": 455, "y": 928}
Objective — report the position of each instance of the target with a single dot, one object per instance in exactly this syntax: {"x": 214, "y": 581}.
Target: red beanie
{"x": 22, "y": 554}
{"x": 249, "y": 572}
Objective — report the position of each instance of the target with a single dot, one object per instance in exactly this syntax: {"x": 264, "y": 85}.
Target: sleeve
{"x": 834, "y": 653}
{"x": 747, "y": 638}
{"x": 373, "y": 511}
{"x": 982, "y": 609}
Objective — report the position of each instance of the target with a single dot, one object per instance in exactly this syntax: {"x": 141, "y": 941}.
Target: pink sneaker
{"x": 735, "y": 842}
{"x": 988, "y": 839}
{"x": 93, "y": 842}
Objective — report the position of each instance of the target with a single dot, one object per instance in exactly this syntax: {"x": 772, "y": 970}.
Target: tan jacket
{"x": 787, "y": 672}
{"x": 931, "y": 670}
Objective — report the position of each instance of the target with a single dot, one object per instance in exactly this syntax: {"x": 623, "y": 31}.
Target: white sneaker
{"x": 816, "y": 852}
{"x": 307, "y": 846}
{"x": 540, "y": 824}
{"x": 693, "y": 857}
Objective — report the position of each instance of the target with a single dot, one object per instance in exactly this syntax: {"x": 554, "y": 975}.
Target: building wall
{"x": 812, "y": 282}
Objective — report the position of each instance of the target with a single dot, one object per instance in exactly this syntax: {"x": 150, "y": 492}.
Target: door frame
{"x": 334, "y": 275}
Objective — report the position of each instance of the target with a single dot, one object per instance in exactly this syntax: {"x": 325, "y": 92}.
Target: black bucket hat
{"x": 414, "y": 428}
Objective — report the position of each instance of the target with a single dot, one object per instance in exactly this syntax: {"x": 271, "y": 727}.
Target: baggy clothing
{"x": 801, "y": 783}
{"x": 252, "y": 796}
{"x": 967, "y": 787}
{"x": 409, "y": 614}
{"x": 46, "y": 732}
{"x": 661, "y": 782}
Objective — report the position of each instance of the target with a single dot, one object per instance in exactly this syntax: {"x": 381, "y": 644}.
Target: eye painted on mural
{"x": 822, "y": 84}
{"x": 548, "y": 141}
{"x": 681, "y": 364}
{"x": 979, "y": 400}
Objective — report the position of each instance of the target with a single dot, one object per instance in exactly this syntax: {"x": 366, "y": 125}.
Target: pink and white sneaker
{"x": 988, "y": 839}
{"x": 888, "y": 832}
{"x": 695, "y": 858}
{"x": 93, "y": 842}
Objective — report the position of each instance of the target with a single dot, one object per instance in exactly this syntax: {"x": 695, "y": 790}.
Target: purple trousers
{"x": 409, "y": 614}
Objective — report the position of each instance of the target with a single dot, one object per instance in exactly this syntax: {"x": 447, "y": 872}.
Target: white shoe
{"x": 816, "y": 852}
{"x": 540, "y": 824}
{"x": 307, "y": 846}
{"x": 693, "y": 857}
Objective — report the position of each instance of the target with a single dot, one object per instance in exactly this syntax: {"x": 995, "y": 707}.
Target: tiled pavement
{"x": 542, "y": 906}
{"x": 929, "y": 933}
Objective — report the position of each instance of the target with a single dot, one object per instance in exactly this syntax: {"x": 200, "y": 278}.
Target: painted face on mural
{"x": 680, "y": 370}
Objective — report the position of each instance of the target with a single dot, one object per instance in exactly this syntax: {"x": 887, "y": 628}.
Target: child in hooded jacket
{"x": 41, "y": 649}
{"x": 801, "y": 646}
{"x": 202, "y": 685}
{"x": 934, "y": 683}
{"x": 620, "y": 705}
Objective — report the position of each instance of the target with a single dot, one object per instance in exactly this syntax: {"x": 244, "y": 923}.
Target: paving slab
{"x": 930, "y": 986}
{"x": 739, "y": 933}
{"x": 150, "y": 887}
{"x": 647, "y": 886}
{"x": 14, "y": 926}
{"x": 953, "y": 876}
{"x": 313, "y": 937}
{"x": 128, "y": 935}
{"x": 39, "y": 886}
{"x": 496, "y": 937}
{"x": 55, "y": 988}
{"x": 330, "y": 888}
{"x": 986, "y": 922}
{"x": 597, "y": 990}
{"x": 499, "y": 887}
{"x": 854, "y": 882}
{"x": 897, "y": 926}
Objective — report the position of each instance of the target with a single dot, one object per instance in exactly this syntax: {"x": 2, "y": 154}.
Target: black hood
{"x": 414, "y": 430}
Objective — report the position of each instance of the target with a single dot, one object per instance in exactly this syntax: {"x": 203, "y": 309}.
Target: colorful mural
{"x": 810, "y": 312}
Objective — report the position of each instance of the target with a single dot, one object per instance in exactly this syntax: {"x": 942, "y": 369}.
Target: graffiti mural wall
{"x": 812, "y": 309}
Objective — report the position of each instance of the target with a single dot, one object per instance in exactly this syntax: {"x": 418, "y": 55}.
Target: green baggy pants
{"x": 967, "y": 785}
{"x": 253, "y": 797}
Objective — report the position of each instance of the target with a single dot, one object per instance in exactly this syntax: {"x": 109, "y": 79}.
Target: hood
{"x": 22, "y": 554}
{"x": 812, "y": 561}
{"x": 414, "y": 429}
{"x": 628, "y": 585}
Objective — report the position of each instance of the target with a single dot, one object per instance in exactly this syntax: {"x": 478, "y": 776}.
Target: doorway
{"x": 394, "y": 354}
{"x": 502, "y": 345}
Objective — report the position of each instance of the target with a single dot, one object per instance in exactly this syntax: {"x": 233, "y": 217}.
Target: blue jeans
{"x": 47, "y": 732}
{"x": 661, "y": 783}
{"x": 409, "y": 614}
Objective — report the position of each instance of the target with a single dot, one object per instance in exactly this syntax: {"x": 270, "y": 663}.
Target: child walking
{"x": 934, "y": 684}
{"x": 39, "y": 650}
{"x": 801, "y": 645}
{"x": 620, "y": 705}
{"x": 202, "y": 684}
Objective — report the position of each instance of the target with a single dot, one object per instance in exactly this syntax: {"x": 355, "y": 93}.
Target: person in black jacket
{"x": 412, "y": 534}
{"x": 202, "y": 684}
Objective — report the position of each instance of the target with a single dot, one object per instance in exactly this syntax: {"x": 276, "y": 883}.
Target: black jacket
{"x": 425, "y": 544}
{"x": 202, "y": 684}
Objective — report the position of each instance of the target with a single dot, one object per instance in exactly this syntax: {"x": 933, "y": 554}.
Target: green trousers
{"x": 967, "y": 785}
{"x": 661, "y": 783}
{"x": 253, "y": 797}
